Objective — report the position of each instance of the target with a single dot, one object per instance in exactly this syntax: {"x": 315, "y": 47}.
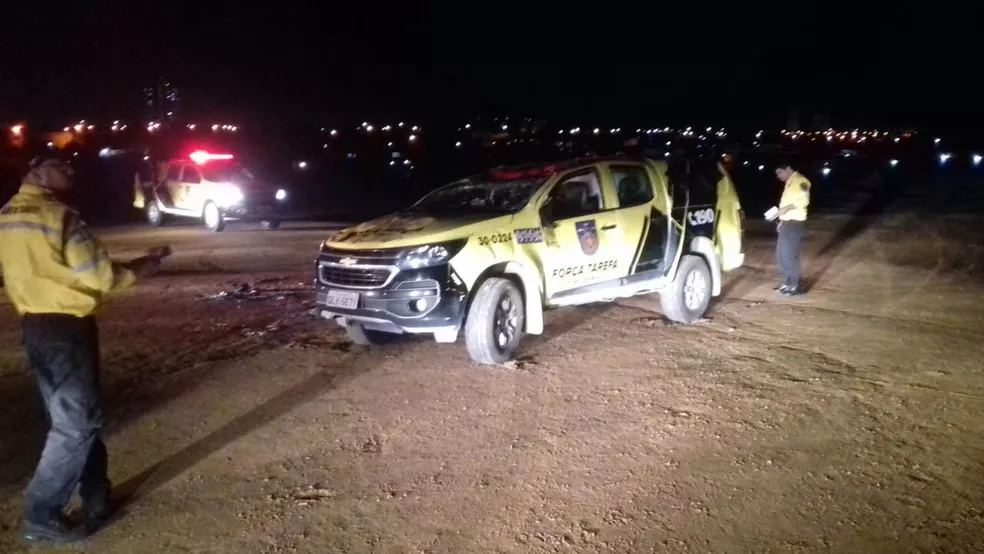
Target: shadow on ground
{"x": 164, "y": 471}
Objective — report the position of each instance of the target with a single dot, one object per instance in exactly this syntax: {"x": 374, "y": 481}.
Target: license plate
{"x": 342, "y": 299}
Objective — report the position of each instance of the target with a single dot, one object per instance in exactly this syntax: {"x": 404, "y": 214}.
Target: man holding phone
{"x": 56, "y": 274}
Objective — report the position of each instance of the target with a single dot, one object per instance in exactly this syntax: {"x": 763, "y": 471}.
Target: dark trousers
{"x": 788, "y": 251}
{"x": 64, "y": 354}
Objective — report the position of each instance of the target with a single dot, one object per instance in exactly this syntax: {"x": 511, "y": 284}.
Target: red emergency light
{"x": 201, "y": 157}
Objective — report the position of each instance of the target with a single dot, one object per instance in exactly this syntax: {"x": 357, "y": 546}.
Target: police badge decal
{"x": 587, "y": 234}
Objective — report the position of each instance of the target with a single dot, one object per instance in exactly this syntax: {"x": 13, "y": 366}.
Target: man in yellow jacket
{"x": 792, "y": 226}
{"x": 56, "y": 274}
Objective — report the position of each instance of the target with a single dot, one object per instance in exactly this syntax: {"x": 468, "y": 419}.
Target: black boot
{"x": 53, "y": 533}
{"x": 99, "y": 509}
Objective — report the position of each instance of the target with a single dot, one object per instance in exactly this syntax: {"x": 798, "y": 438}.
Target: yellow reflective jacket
{"x": 796, "y": 195}
{"x": 51, "y": 262}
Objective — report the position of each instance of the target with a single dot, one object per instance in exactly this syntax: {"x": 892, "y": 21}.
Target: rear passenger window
{"x": 632, "y": 185}
{"x": 174, "y": 172}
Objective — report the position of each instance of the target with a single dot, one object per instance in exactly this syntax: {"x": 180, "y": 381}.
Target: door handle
{"x": 609, "y": 227}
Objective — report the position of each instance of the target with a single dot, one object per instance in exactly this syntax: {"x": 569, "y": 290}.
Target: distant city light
{"x": 897, "y": 139}
{"x": 387, "y": 128}
{"x": 191, "y": 126}
{"x": 458, "y": 144}
{"x": 945, "y": 157}
{"x": 893, "y": 162}
{"x": 505, "y": 127}
{"x": 390, "y": 144}
{"x": 105, "y": 153}
{"x": 406, "y": 162}
{"x": 51, "y": 145}
{"x": 412, "y": 138}
{"x": 302, "y": 165}
{"x": 365, "y": 123}
{"x": 596, "y": 130}
{"x": 334, "y": 132}
{"x": 281, "y": 194}
{"x": 825, "y": 171}
{"x": 761, "y": 167}
{"x": 467, "y": 125}
{"x": 92, "y": 127}
{"x": 936, "y": 141}
{"x": 215, "y": 127}
{"x": 78, "y": 127}
{"x": 977, "y": 159}
{"x": 392, "y": 162}
{"x": 17, "y": 129}
{"x": 368, "y": 128}
{"x": 400, "y": 124}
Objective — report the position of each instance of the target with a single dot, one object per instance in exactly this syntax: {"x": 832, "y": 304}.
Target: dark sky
{"x": 906, "y": 62}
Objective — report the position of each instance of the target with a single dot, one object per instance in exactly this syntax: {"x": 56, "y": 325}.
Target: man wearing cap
{"x": 56, "y": 274}
{"x": 792, "y": 223}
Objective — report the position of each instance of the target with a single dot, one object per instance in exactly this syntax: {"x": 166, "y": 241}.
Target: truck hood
{"x": 401, "y": 230}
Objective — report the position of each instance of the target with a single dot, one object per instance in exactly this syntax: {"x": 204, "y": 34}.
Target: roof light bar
{"x": 201, "y": 157}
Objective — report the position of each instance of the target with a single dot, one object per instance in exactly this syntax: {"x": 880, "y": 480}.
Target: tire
{"x": 155, "y": 217}
{"x": 686, "y": 298}
{"x": 212, "y": 218}
{"x": 487, "y": 328}
{"x": 366, "y": 337}
{"x": 271, "y": 224}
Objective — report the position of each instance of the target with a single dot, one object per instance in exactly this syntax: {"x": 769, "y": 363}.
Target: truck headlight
{"x": 227, "y": 195}
{"x": 281, "y": 195}
{"x": 430, "y": 255}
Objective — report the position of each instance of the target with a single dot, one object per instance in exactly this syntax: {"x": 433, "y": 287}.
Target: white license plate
{"x": 342, "y": 299}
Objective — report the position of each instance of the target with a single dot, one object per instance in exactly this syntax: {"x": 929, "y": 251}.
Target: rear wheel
{"x": 685, "y": 300}
{"x": 155, "y": 217}
{"x": 495, "y": 322}
{"x": 358, "y": 334}
{"x": 212, "y": 217}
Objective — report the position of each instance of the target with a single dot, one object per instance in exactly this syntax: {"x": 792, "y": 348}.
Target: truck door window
{"x": 174, "y": 172}
{"x": 191, "y": 175}
{"x": 632, "y": 185}
{"x": 577, "y": 195}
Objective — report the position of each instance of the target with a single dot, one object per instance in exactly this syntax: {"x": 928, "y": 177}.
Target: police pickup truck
{"x": 487, "y": 254}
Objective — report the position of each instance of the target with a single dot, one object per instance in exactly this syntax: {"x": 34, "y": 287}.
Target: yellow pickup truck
{"x": 487, "y": 254}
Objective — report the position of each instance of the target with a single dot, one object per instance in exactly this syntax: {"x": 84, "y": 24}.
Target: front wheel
{"x": 155, "y": 217}
{"x": 495, "y": 322}
{"x": 358, "y": 334}
{"x": 686, "y": 298}
{"x": 212, "y": 217}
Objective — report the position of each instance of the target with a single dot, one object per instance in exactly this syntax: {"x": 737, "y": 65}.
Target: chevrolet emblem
{"x": 348, "y": 261}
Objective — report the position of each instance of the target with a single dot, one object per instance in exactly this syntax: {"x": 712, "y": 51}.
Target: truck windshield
{"x": 227, "y": 173}
{"x": 473, "y": 197}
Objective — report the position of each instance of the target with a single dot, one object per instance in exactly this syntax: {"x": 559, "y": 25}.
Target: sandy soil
{"x": 849, "y": 420}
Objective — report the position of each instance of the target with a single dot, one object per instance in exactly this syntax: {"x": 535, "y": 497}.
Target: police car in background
{"x": 486, "y": 255}
{"x": 211, "y": 187}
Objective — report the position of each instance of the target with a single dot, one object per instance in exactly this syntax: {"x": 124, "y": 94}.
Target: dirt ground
{"x": 849, "y": 420}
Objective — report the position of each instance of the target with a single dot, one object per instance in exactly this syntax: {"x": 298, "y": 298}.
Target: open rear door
{"x": 728, "y": 230}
